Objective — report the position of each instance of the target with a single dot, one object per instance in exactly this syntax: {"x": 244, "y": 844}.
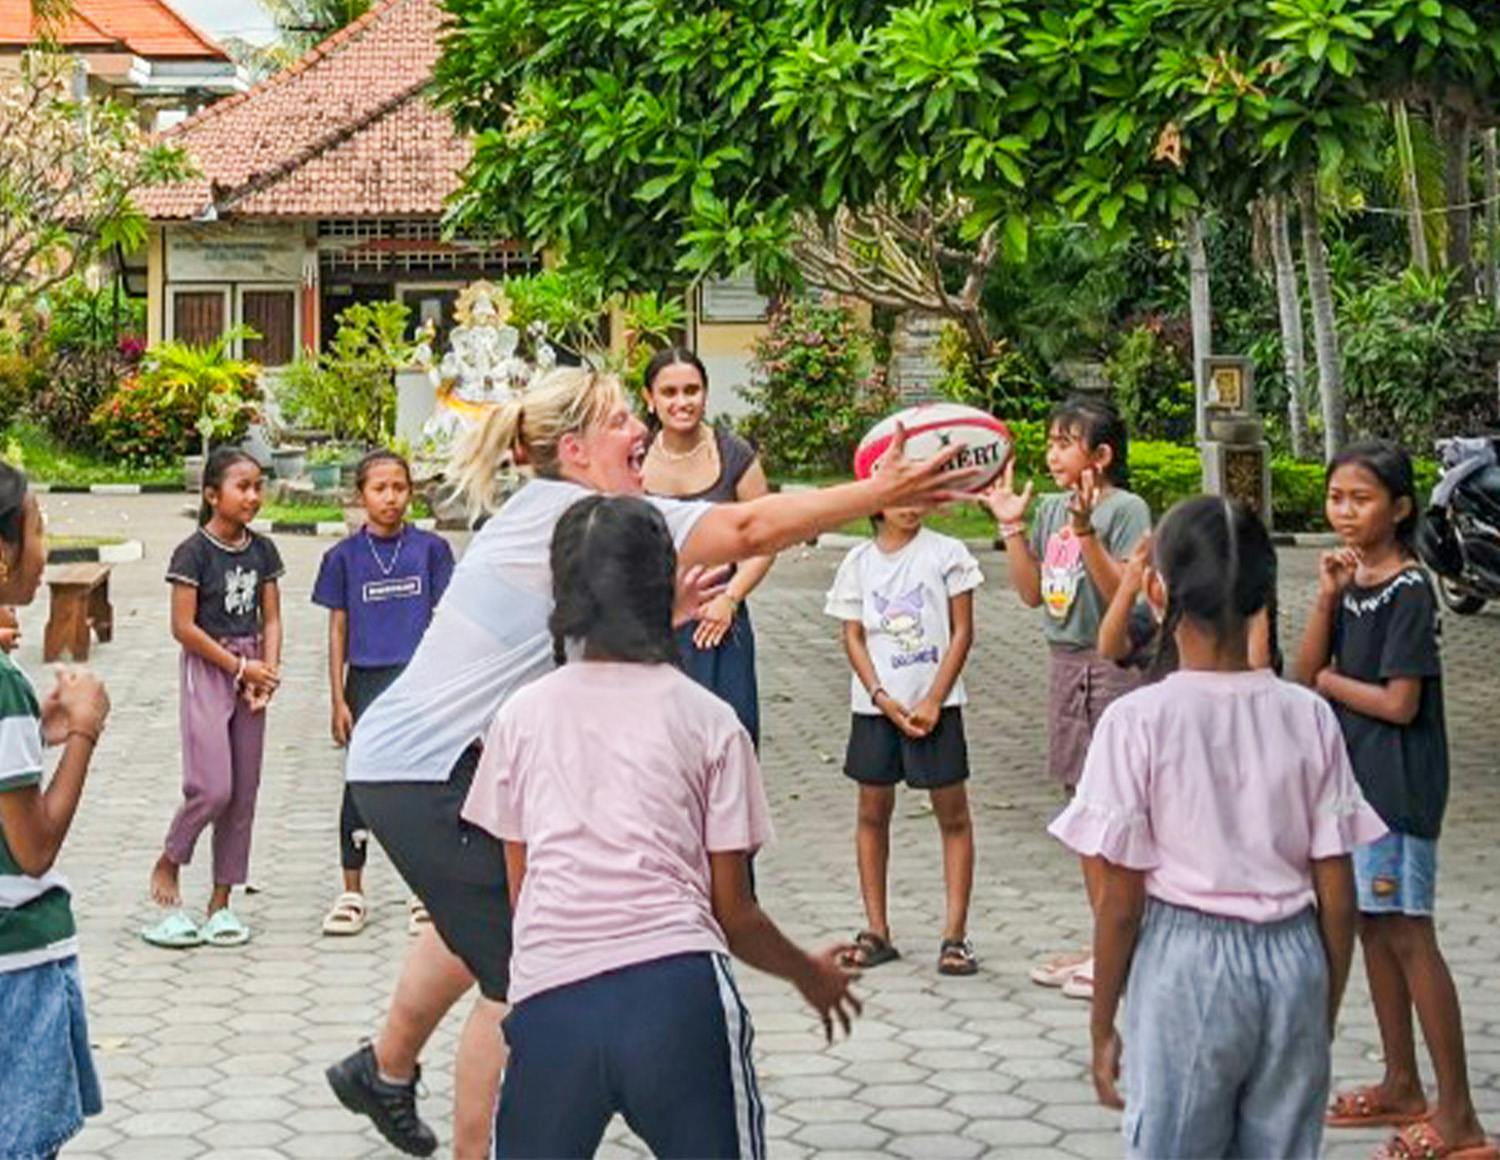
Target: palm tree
{"x": 1289, "y": 307}
{"x": 1325, "y": 325}
{"x": 1202, "y": 310}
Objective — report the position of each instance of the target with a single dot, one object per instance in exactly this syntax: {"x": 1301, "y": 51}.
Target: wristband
{"x": 72, "y": 733}
{"x": 1011, "y": 531}
{"x": 875, "y": 693}
{"x": 1084, "y": 532}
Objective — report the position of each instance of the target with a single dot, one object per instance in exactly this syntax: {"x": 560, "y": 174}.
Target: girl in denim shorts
{"x": 47, "y": 1079}
{"x": 1371, "y": 648}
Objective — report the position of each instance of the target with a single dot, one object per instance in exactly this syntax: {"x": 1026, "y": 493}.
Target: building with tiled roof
{"x": 322, "y": 186}
{"x": 138, "y": 51}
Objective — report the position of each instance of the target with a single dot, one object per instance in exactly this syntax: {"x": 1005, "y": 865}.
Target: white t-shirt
{"x": 620, "y": 779}
{"x": 902, "y": 600}
{"x": 487, "y": 639}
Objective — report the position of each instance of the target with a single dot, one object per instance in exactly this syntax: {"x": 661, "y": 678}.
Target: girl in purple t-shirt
{"x": 380, "y": 587}
{"x": 629, "y": 801}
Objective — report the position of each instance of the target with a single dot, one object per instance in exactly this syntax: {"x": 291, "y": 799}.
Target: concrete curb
{"x": 127, "y": 552}
{"x": 841, "y": 542}
{"x": 116, "y": 489}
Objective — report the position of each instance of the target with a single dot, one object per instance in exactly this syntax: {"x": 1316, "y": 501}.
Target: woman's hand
{"x": 1008, "y": 507}
{"x": 923, "y": 483}
{"x": 715, "y": 619}
{"x": 1106, "y": 1069}
{"x": 825, "y": 985}
{"x": 1335, "y": 571}
{"x": 343, "y": 723}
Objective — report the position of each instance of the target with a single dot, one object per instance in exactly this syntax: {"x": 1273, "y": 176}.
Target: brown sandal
{"x": 956, "y": 957}
{"x": 870, "y": 950}
{"x": 1362, "y": 1108}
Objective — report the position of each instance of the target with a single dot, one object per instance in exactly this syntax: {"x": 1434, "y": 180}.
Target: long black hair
{"x": 614, "y": 574}
{"x": 13, "y": 489}
{"x": 219, "y": 463}
{"x": 1216, "y": 559}
{"x": 1098, "y": 424}
{"x": 1392, "y": 468}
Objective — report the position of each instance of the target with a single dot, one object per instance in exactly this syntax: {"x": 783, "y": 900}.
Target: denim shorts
{"x": 1397, "y": 874}
{"x": 49, "y": 1083}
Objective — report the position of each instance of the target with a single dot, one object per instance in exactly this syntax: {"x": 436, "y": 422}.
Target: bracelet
{"x": 72, "y": 733}
{"x": 1084, "y": 532}
{"x": 875, "y": 693}
{"x": 1011, "y": 531}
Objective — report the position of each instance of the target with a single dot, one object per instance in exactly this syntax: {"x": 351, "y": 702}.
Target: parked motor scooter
{"x": 1460, "y": 538}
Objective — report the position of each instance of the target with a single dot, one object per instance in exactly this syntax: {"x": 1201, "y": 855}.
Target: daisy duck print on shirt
{"x": 1073, "y": 604}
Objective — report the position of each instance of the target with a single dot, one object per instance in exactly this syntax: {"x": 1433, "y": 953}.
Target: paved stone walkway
{"x": 221, "y": 1052}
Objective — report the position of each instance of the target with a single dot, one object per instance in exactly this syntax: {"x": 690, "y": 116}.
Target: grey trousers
{"x": 1226, "y": 1037}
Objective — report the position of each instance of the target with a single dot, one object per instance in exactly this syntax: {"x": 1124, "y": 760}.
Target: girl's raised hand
{"x": 1336, "y": 570}
{"x": 1085, "y": 499}
{"x": 1106, "y": 1069}
{"x": 81, "y": 701}
{"x": 1005, "y": 505}
{"x": 825, "y": 985}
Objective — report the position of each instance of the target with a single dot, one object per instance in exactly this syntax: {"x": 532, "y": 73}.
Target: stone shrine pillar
{"x": 1236, "y": 457}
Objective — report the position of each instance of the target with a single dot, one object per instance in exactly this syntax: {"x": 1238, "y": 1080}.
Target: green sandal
{"x": 175, "y": 932}
{"x": 224, "y": 929}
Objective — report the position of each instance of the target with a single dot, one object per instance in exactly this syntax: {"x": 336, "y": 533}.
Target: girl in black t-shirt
{"x": 226, "y": 614}
{"x": 1371, "y": 648}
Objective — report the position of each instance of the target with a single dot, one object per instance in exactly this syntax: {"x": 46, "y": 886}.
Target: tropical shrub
{"x": 1151, "y": 381}
{"x": 1006, "y": 384}
{"x": 812, "y": 391}
{"x": 143, "y": 426}
{"x": 349, "y": 390}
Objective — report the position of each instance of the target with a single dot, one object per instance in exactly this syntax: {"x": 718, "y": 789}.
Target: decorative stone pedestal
{"x": 1236, "y": 457}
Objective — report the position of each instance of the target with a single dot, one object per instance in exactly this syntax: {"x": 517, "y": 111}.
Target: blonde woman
{"x": 413, "y": 757}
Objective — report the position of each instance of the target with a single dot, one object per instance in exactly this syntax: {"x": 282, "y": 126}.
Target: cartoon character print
{"x": 901, "y": 619}
{"x": 240, "y": 585}
{"x": 1062, "y": 572}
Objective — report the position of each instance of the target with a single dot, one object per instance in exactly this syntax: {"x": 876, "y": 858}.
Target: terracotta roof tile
{"x": 148, "y": 28}
{"x": 344, "y": 131}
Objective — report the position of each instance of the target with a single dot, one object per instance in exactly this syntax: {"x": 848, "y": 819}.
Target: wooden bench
{"x": 80, "y": 603}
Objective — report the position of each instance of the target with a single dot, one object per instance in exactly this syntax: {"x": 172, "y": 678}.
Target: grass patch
{"x": 325, "y": 513}
{"x": 68, "y": 543}
{"x": 46, "y": 461}
{"x": 962, "y": 521}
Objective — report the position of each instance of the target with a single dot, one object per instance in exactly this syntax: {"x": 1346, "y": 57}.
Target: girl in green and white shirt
{"x": 49, "y": 1080}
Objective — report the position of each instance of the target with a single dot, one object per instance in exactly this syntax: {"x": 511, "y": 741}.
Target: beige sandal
{"x": 417, "y": 918}
{"x": 347, "y": 916}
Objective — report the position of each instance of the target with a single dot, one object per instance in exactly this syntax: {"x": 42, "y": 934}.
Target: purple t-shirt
{"x": 389, "y": 589}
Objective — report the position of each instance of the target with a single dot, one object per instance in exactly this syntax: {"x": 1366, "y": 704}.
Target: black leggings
{"x": 361, "y": 687}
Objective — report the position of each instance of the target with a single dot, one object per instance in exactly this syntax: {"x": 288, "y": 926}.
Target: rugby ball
{"x": 930, "y": 427}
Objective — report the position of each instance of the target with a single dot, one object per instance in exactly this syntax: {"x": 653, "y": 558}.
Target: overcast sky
{"x": 223, "y": 19}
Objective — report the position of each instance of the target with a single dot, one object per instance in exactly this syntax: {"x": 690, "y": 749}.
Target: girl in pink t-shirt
{"x": 629, "y": 801}
{"x": 1223, "y": 810}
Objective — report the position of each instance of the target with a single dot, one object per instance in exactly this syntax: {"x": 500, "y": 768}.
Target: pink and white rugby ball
{"x": 930, "y": 427}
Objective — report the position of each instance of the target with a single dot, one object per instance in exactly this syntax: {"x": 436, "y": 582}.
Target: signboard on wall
{"x": 234, "y": 254}
{"x": 733, "y": 300}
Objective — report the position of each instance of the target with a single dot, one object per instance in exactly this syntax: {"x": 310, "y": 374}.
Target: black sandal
{"x": 956, "y": 957}
{"x": 870, "y": 950}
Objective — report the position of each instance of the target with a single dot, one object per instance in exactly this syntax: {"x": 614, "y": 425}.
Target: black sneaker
{"x": 392, "y": 1107}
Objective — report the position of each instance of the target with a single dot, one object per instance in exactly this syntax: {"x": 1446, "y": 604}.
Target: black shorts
{"x": 456, "y": 869}
{"x": 880, "y": 754}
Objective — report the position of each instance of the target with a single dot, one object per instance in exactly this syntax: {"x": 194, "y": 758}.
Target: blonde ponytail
{"x": 527, "y": 431}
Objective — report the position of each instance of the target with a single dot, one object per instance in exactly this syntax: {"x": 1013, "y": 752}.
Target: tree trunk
{"x": 1492, "y": 222}
{"x": 1416, "y": 224}
{"x": 1457, "y": 136}
{"x": 1202, "y": 314}
{"x": 1325, "y": 325}
{"x": 1293, "y": 343}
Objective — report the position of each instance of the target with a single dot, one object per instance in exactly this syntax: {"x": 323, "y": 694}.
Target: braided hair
{"x": 1216, "y": 559}
{"x": 614, "y": 573}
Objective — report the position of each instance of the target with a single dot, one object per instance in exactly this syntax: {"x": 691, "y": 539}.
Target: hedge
{"x": 1164, "y": 473}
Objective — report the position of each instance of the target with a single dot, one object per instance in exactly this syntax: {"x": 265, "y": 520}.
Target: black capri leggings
{"x": 361, "y": 687}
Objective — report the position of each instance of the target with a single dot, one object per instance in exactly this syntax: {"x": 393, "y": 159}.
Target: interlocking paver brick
{"x": 186, "y": 1034}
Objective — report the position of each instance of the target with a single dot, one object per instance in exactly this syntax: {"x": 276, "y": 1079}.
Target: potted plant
{"x": 325, "y": 465}
{"x": 207, "y": 379}
{"x": 289, "y": 460}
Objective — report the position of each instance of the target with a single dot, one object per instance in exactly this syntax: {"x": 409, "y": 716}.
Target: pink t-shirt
{"x": 1223, "y": 787}
{"x": 620, "y": 779}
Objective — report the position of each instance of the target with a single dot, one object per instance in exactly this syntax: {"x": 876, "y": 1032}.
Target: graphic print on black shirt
{"x": 1382, "y": 633}
{"x": 228, "y": 579}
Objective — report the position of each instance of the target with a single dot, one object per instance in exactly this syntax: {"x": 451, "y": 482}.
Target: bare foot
{"x": 165, "y": 890}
